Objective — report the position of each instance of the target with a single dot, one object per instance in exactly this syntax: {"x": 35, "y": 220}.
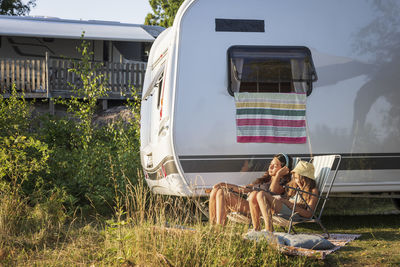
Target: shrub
{"x": 21, "y": 158}
{"x": 87, "y": 160}
{"x": 14, "y": 114}
{"x": 52, "y": 167}
{"x": 24, "y": 208}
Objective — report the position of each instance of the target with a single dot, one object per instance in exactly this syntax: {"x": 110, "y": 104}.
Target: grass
{"x": 359, "y": 206}
{"x": 378, "y": 223}
{"x": 151, "y": 245}
{"x": 140, "y": 238}
{"x": 376, "y": 220}
{"x": 377, "y": 246}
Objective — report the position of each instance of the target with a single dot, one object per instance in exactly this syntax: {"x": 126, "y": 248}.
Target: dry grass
{"x": 137, "y": 236}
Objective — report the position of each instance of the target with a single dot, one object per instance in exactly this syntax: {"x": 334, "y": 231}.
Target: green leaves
{"x": 14, "y": 114}
{"x": 89, "y": 164}
{"x": 20, "y": 158}
{"x": 16, "y": 7}
{"x": 85, "y": 94}
{"x": 164, "y": 12}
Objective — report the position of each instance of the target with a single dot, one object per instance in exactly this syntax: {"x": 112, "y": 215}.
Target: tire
{"x": 202, "y": 205}
{"x": 396, "y": 202}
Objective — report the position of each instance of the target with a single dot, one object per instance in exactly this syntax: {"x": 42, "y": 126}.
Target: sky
{"x": 127, "y": 11}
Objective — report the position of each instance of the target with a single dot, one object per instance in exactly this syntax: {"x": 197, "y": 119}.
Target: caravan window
{"x": 159, "y": 86}
{"x": 270, "y": 69}
{"x": 155, "y": 84}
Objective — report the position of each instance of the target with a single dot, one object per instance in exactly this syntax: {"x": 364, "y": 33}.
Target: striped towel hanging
{"x": 271, "y": 118}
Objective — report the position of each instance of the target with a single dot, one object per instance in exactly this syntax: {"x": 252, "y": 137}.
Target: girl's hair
{"x": 285, "y": 160}
{"x": 282, "y": 159}
{"x": 308, "y": 186}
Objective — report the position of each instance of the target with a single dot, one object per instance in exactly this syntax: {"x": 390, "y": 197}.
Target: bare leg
{"x": 254, "y": 210}
{"x": 212, "y": 206}
{"x": 236, "y": 203}
{"x": 220, "y": 206}
{"x": 229, "y": 201}
{"x": 274, "y": 202}
{"x": 265, "y": 208}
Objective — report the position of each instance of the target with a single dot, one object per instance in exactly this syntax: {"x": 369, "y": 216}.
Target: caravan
{"x": 329, "y": 53}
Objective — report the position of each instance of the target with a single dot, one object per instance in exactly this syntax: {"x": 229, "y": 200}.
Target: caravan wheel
{"x": 202, "y": 205}
{"x": 396, "y": 202}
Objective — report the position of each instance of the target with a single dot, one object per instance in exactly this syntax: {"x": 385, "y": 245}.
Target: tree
{"x": 16, "y": 7}
{"x": 164, "y": 12}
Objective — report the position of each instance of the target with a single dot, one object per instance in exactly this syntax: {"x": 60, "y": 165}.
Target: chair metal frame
{"x": 325, "y": 173}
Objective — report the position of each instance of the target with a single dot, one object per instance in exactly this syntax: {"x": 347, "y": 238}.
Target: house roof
{"x": 72, "y": 29}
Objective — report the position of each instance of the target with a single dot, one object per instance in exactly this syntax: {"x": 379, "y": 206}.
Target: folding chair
{"x": 326, "y": 168}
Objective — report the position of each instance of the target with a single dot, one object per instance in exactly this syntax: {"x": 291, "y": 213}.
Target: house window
{"x": 270, "y": 69}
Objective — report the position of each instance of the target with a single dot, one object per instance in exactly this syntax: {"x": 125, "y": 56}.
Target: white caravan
{"x": 348, "y": 62}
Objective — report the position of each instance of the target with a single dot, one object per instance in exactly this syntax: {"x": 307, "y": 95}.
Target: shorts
{"x": 285, "y": 210}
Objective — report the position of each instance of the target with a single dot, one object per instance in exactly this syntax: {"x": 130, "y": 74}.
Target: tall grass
{"x": 149, "y": 230}
{"x": 169, "y": 231}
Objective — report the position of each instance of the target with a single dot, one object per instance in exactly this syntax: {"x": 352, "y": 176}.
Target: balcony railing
{"x": 38, "y": 78}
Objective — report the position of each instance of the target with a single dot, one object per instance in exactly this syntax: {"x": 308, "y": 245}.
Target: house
{"x": 36, "y": 52}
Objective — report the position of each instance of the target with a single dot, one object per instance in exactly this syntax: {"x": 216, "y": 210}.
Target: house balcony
{"x": 50, "y": 78}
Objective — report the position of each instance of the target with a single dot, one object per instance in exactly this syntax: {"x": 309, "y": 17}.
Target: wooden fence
{"x": 50, "y": 77}
{"x": 27, "y": 75}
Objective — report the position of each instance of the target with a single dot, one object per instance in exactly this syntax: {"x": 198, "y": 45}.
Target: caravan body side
{"x": 188, "y": 126}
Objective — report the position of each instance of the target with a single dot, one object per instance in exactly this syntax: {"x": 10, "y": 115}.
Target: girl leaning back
{"x": 268, "y": 204}
{"x": 226, "y": 197}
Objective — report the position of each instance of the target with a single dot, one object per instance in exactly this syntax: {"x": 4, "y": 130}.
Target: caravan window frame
{"x": 153, "y": 84}
{"x": 312, "y": 77}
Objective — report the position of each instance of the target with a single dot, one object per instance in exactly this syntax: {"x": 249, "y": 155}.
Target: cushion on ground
{"x": 306, "y": 241}
{"x": 265, "y": 235}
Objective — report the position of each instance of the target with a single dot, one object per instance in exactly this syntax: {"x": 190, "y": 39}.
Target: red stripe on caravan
{"x": 162, "y": 93}
{"x": 271, "y": 139}
{"x": 271, "y": 122}
{"x": 163, "y": 171}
